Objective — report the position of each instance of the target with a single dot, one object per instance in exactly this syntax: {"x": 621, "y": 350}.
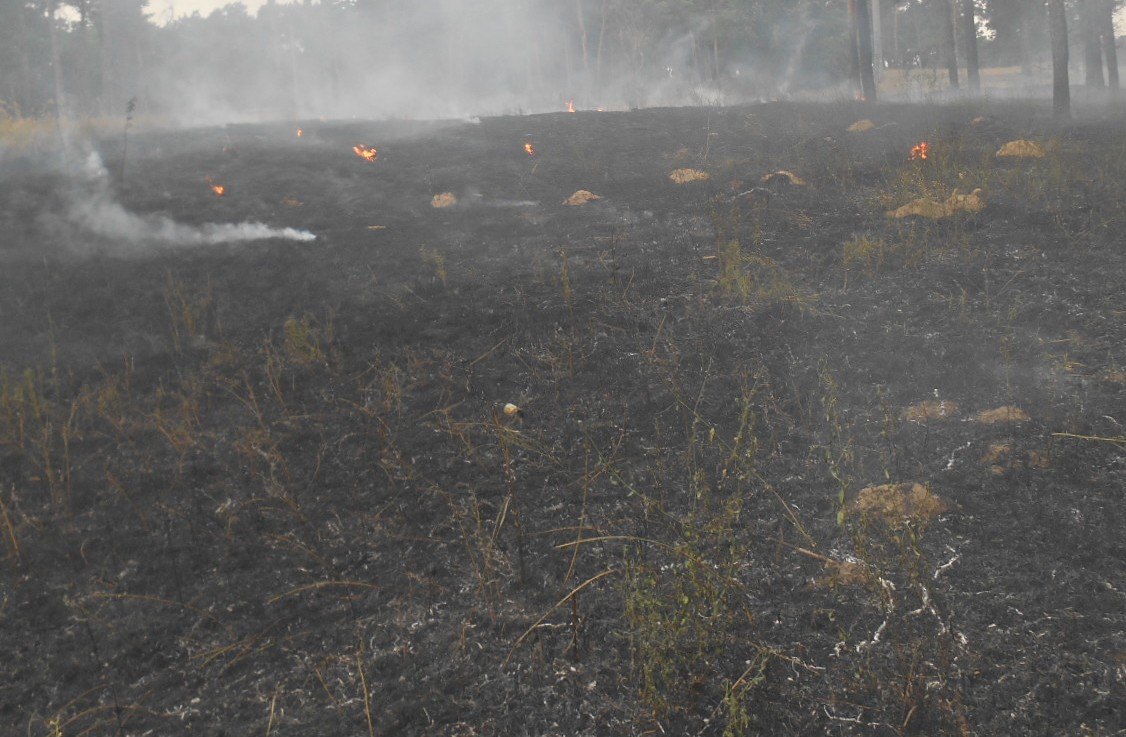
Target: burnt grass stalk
{"x": 746, "y": 488}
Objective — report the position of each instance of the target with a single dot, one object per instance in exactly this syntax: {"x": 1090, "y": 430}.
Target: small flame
{"x": 529, "y": 148}
{"x": 300, "y": 132}
{"x": 921, "y": 152}
{"x": 367, "y": 153}
{"x": 218, "y": 189}
{"x": 570, "y": 106}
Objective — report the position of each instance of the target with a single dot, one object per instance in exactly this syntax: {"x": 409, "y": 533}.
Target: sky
{"x": 162, "y": 10}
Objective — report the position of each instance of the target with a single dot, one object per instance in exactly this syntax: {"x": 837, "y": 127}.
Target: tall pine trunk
{"x": 581, "y": 13}
{"x": 1092, "y": 46}
{"x": 863, "y": 22}
{"x": 1110, "y": 50}
{"x": 56, "y": 61}
{"x": 969, "y": 40}
{"x": 1061, "y": 85}
{"x": 949, "y": 45}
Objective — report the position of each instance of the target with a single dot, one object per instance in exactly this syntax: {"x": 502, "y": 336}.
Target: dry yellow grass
{"x": 861, "y": 126}
{"x": 684, "y": 176}
{"x": 935, "y": 210}
{"x": 1002, "y": 414}
{"x": 581, "y": 197}
{"x": 932, "y": 409}
{"x": 782, "y": 175}
{"x": 899, "y": 504}
{"x": 445, "y": 199}
{"x": 1021, "y": 149}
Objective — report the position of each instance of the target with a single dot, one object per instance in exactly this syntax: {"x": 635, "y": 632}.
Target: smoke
{"x": 94, "y": 210}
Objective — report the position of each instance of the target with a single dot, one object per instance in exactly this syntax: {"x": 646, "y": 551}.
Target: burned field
{"x": 737, "y": 455}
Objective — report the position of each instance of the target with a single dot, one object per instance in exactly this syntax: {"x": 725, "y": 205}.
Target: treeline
{"x": 451, "y": 57}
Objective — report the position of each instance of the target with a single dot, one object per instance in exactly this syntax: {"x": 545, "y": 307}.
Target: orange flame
{"x": 570, "y": 106}
{"x": 300, "y": 132}
{"x": 529, "y": 148}
{"x": 218, "y": 189}
{"x": 921, "y": 152}
{"x": 367, "y": 153}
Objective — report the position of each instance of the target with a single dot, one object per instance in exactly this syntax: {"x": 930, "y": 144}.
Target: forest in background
{"x": 448, "y": 58}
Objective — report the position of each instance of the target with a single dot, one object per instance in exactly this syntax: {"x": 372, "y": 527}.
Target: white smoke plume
{"x": 95, "y": 211}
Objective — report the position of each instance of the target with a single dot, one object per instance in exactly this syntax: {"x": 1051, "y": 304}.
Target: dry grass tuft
{"x": 685, "y": 176}
{"x": 1002, "y": 414}
{"x": 785, "y": 177}
{"x": 581, "y": 197}
{"x": 932, "y": 409}
{"x": 935, "y": 210}
{"x": 899, "y": 504}
{"x": 1021, "y": 149}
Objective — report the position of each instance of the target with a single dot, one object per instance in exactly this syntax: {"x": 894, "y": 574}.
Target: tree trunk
{"x": 1061, "y": 85}
{"x": 969, "y": 40}
{"x": 864, "y": 49}
{"x": 598, "y": 58}
{"x": 582, "y": 35}
{"x": 949, "y": 44}
{"x": 56, "y": 61}
{"x": 1110, "y": 50}
{"x": 27, "y": 96}
{"x": 853, "y": 47}
{"x": 878, "y": 37}
{"x": 1026, "y": 61}
{"x": 1092, "y": 46}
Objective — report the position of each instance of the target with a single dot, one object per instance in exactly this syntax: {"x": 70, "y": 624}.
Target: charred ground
{"x": 272, "y": 488}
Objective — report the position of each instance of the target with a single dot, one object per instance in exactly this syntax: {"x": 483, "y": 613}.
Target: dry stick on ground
{"x": 273, "y": 706}
{"x": 578, "y": 589}
{"x": 367, "y": 693}
{"x": 321, "y": 585}
{"x": 1120, "y": 440}
{"x": 13, "y": 539}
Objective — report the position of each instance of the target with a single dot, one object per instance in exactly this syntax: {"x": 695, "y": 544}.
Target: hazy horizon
{"x": 161, "y": 11}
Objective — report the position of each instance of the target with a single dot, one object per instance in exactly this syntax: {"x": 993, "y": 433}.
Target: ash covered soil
{"x": 782, "y": 465}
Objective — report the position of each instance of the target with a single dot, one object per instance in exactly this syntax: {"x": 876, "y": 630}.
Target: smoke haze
{"x": 94, "y": 210}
